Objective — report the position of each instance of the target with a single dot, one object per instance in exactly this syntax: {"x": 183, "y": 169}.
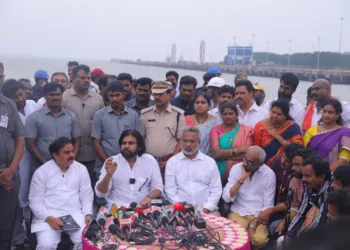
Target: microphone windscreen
{"x": 101, "y": 221}
{"x": 133, "y": 205}
{"x": 94, "y": 227}
{"x": 166, "y": 203}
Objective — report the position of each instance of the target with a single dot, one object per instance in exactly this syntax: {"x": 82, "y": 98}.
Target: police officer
{"x": 11, "y": 148}
{"x": 163, "y": 124}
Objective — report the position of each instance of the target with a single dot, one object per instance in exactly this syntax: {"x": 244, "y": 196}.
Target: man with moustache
{"x": 251, "y": 189}
{"x": 59, "y": 77}
{"x": 249, "y": 113}
{"x": 48, "y": 123}
{"x": 282, "y": 167}
{"x": 193, "y": 176}
{"x": 187, "y": 90}
{"x": 60, "y": 187}
{"x": 143, "y": 95}
{"x": 296, "y": 187}
{"x": 110, "y": 122}
{"x": 84, "y": 104}
{"x": 321, "y": 92}
{"x": 288, "y": 85}
{"x": 126, "y": 79}
{"x": 226, "y": 94}
{"x": 163, "y": 124}
{"x": 130, "y": 176}
{"x": 312, "y": 212}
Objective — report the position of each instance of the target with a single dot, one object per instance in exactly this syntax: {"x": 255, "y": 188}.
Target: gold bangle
{"x": 233, "y": 152}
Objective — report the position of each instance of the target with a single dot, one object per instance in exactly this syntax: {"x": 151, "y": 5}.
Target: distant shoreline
{"x": 304, "y": 74}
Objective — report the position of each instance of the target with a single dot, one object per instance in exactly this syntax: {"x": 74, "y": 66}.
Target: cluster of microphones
{"x": 127, "y": 223}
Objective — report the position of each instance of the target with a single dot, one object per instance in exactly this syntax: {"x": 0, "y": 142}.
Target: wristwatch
{"x": 252, "y": 226}
{"x": 149, "y": 196}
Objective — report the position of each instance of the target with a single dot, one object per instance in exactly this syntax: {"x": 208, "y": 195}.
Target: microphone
{"x": 120, "y": 213}
{"x": 92, "y": 233}
{"x": 175, "y": 220}
{"x": 137, "y": 223}
{"x": 113, "y": 210}
{"x": 151, "y": 213}
{"x": 189, "y": 209}
{"x": 169, "y": 210}
{"x": 133, "y": 205}
{"x": 178, "y": 206}
{"x": 164, "y": 220}
{"x": 125, "y": 226}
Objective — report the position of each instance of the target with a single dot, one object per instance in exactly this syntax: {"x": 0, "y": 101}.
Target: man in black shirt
{"x": 187, "y": 90}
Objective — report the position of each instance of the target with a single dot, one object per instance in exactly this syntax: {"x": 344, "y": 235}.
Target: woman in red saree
{"x": 276, "y": 132}
{"x": 229, "y": 141}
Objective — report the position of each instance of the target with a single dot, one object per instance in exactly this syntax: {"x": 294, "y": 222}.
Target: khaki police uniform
{"x": 163, "y": 130}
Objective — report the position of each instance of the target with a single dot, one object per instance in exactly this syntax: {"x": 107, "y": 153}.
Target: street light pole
{"x": 341, "y": 32}
{"x": 253, "y": 36}
{"x": 267, "y": 52}
{"x": 289, "y": 53}
{"x": 318, "y": 54}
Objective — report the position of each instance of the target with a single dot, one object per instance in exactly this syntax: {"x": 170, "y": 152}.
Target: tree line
{"x": 328, "y": 60}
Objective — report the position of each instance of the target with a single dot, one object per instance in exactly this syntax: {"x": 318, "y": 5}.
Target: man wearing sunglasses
{"x": 251, "y": 189}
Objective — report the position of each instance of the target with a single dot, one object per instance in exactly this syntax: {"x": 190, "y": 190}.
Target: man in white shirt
{"x": 192, "y": 176}
{"x": 132, "y": 175}
{"x": 321, "y": 91}
{"x": 60, "y": 187}
{"x": 288, "y": 85}
{"x": 226, "y": 94}
{"x": 251, "y": 189}
{"x": 248, "y": 112}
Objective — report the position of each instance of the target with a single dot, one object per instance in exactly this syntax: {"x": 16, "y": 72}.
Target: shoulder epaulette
{"x": 146, "y": 110}
{"x": 177, "y": 109}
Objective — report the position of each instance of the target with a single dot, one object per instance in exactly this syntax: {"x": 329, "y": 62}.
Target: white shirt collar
{"x": 200, "y": 156}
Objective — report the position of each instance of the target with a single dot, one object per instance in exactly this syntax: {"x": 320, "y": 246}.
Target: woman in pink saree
{"x": 230, "y": 140}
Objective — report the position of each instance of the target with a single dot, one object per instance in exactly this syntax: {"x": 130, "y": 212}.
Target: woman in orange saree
{"x": 276, "y": 132}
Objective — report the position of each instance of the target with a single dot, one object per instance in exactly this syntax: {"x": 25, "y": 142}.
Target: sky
{"x": 147, "y": 29}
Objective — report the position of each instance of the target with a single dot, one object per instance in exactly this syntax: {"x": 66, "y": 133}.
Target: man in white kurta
{"x": 132, "y": 175}
{"x": 60, "y": 187}
{"x": 192, "y": 176}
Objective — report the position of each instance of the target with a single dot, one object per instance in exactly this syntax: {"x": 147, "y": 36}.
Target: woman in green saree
{"x": 230, "y": 140}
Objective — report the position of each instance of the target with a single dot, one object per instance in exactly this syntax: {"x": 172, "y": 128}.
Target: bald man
{"x": 321, "y": 91}
{"x": 251, "y": 189}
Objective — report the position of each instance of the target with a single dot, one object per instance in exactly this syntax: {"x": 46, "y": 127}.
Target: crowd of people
{"x": 71, "y": 143}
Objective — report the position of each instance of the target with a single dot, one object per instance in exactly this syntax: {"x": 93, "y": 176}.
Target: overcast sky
{"x": 147, "y": 29}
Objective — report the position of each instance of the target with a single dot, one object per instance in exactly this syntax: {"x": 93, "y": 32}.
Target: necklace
{"x": 202, "y": 121}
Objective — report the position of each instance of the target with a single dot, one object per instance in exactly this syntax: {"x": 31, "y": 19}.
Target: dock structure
{"x": 304, "y": 74}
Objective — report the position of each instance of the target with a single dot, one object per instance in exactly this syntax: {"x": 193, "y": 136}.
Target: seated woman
{"x": 230, "y": 140}
{"x": 202, "y": 120}
{"x": 273, "y": 134}
{"x": 330, "y": 140}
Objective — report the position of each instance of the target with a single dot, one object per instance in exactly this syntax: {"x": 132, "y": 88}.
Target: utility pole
{"x": 318, "y": 54}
